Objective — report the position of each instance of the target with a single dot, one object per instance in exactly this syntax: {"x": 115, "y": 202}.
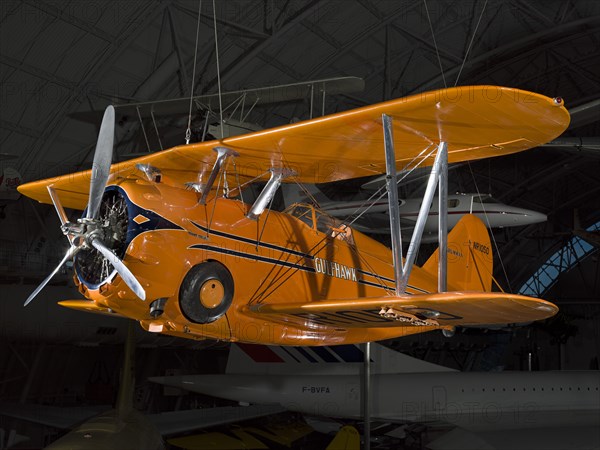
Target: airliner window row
{"x": 514, "y": 389}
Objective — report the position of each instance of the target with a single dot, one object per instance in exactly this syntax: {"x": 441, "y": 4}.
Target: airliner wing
{"x": 167, "y": 423}
{"x": 52, "y": 416}
{"x": 438, "y": 309}
{"x": 475, "y": 121}
{"x": 173, "y": 422}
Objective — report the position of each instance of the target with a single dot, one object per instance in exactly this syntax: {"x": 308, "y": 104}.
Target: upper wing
{"x": 475, "y": 121}
{"x": 439, "y": 309}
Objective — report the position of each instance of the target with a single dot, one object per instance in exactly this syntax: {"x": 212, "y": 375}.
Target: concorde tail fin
{"x": 327, "y": 360}
{"x": 470, "y": 260}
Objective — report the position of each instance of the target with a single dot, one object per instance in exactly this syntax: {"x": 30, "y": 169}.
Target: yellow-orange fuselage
{"x": 275, "y": 259}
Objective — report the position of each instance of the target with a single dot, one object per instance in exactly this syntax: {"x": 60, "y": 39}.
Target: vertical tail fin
{"x": 251, "y": 359}
{"x": 470, "y": 259}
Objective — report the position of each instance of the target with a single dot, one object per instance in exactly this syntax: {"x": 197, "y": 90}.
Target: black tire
{"x": 206, "y": 292}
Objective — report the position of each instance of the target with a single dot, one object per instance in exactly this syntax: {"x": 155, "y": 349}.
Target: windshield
{"x": 484, "y": 198}
{"x": 320, "y": 221}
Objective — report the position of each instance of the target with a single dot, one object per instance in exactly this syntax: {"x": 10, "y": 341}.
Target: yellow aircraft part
{"x": 470, "y": 259}
{"x": 218, "y": 441}
{"x": 476, "y": 122}
{"x": 443, "y": 308}
{"x": 88, "y": 306}
{"x": 283, "y": 433}
{"x": 345, "y": 439}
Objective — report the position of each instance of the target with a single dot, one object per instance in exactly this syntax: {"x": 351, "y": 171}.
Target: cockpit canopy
{"x": 320, "y": 221}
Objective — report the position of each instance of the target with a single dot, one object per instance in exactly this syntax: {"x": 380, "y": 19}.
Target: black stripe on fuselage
{"x": 379, "y": 277}
{"x": 252, "y": 241}
{"x": 287, "y": 250}
{"x": 264, "y": 259}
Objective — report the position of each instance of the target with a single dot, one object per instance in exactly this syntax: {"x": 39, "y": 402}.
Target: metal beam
{"x": 208, "y": 20}
{"x": 177, "y": 47}
{"x": 101, "y": 66}
{"x": 247, "y": 56}
{"x": 521, "y": 48}
{"x": 367, "y": 396}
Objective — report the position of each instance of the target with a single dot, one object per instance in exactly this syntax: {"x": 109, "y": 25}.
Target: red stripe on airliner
{"x": 261, "y": 353}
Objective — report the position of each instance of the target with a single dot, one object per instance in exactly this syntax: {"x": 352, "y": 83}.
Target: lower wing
{"x": 438, "y": 309}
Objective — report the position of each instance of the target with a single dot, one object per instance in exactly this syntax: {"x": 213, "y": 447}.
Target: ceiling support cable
{"x": 143, "y": 129}
{"x": 487, "y": 224}
{"x": 470, "y": 44}
{"x": 218, "y": 69}
{"x": 435, "y": 43}
{"x": 188, "y": 132}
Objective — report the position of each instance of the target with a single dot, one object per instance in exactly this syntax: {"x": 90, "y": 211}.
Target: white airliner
{"x": 491, "y": 211}
{"x": 372, "y": 216}
{"x": 479, "y": 410}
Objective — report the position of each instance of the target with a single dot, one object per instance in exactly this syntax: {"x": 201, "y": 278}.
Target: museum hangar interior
{"x": 62, "y": 63}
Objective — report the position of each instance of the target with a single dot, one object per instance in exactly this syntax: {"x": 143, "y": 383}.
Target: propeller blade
{"x": 70, "y": 253}
{"x": 121, "y": 268}
{"x": 62, "y": 215}
{"x": 102, "y": 161}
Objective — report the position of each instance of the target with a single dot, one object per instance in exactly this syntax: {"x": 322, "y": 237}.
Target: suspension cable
{"x": 218, "y": 68}
{"x": 435, "y": 44}
{"x": 487, "y": 220}
{"x": 470, "y": 43}
{"x": 188, "y": 132}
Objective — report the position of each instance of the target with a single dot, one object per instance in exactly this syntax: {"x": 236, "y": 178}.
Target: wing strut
{"x": 268, "y": 192}
{"x": 392, "y": 189}
{"x": 439, "y": 175}
{"x": 443, "y": 219}
{"x": 415, "y": 242}
{"x": 222, "y": 154}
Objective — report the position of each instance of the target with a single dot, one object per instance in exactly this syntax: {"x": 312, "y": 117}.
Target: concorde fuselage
{"x": 473, "y": 400}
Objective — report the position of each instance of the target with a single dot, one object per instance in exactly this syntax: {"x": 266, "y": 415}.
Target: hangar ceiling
{"x": 61, "y": 60}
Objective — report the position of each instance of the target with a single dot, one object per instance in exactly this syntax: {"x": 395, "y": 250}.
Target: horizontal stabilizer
{"x": 435, "y": 310}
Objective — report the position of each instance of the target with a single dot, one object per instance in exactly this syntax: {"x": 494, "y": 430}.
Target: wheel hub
{"x": 212, "y": 293}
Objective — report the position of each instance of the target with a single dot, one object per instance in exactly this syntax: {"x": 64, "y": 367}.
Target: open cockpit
{"x": 321, "y": 221}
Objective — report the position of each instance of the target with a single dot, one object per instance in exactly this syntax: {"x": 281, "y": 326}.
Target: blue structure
{"x": 563, "y": 260}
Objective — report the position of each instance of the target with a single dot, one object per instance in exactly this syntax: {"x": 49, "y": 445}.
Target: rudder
{"x": 470, "y": 259}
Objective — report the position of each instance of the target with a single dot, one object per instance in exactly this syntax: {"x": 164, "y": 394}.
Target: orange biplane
{"x": 168, "y": 240}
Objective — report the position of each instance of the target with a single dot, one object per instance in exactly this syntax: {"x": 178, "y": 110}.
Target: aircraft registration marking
{"x": 481, "y": 248}
{"x": 316, "y": 389}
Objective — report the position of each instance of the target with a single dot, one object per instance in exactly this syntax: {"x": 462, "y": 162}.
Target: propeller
{"x": 87, "y": 232}
{"x": 121, "y": 268}
{"x": 70, "y": 253}
{"x": 102, "y": 161}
